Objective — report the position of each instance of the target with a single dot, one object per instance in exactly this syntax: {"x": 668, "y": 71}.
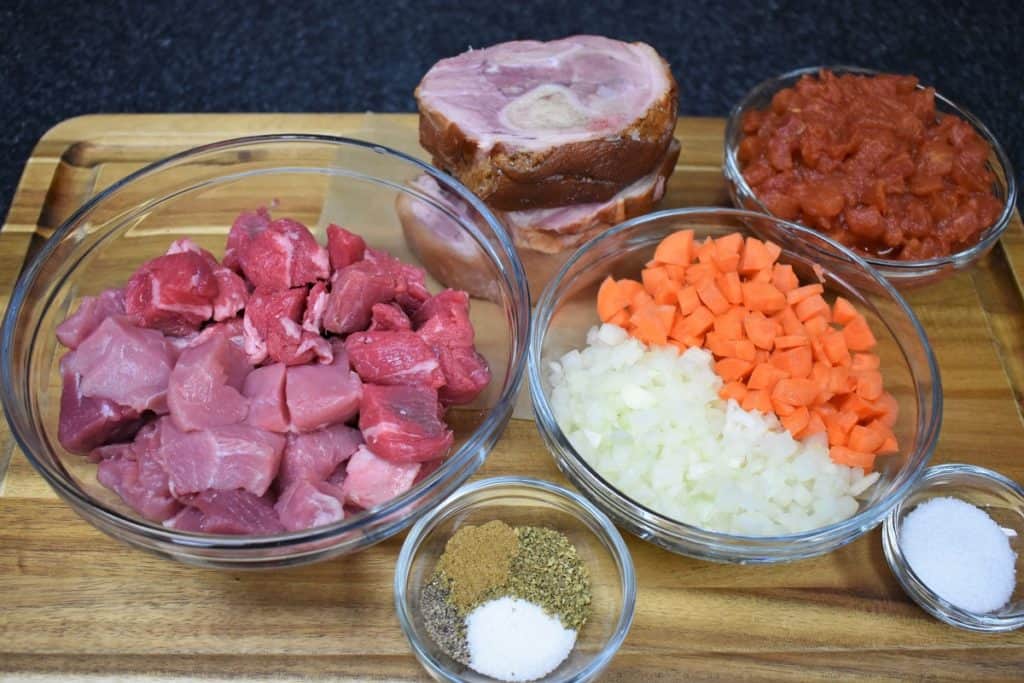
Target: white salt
{"x": 959, "y": 552}
{"x": 516, "y": 640}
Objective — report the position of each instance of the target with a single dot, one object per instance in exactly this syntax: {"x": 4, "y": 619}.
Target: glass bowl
{"x": 903, "y": 274}
{"x": 521, "y": 501}
{"x": 1003, "y": 500}
{"x": 567, "y": 310}
{"x": 197, "y": 194}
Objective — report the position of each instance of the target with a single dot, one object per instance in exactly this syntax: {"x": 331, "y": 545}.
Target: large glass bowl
{"x": 197, "y": 194}
{"x": 567, "y": 310}
{"x": 521, "y": 501}
{"x": 903, "y": 274}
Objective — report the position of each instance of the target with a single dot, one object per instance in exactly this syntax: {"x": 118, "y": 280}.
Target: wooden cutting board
{"x": 76, "y": 604}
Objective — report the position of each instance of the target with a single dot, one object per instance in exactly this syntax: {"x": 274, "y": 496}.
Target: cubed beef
{"x": 371, "y": 480}
{"x": 402, "y": 423}
{"x": 393, "y": 358}
{"x": 232, "y": 292}
{"x": 354, "y": 291}
{"x": 231, "y": 329}
{"x": 466, "y": 374}
{"x": 316, "y": 306}
{"x": 205, "y": 387}
{"x": 237, "y": 456}
{"x": 173, "y": 293}
{"x": 443, "y": 320}
{"x": 343, "y": 247}
{"x": 228, "y": 512}
{"x": 284, "y": 255}
{"x": 314, "y": 456}
{"x": 264, "y": 387}
{"x": 388, "y": 317}
{"x": 138, "y": 477}
{"x": 128, "y": 365}
{"x": 246, "y": 226}
{"x": 411, "y": 290}
{"x": 272, "y": 329}
{"x": 92, "y": 311}
{"x": 85, "y": 422}
{"x": 307, "y": 505}
{"x": 322, "y": 395}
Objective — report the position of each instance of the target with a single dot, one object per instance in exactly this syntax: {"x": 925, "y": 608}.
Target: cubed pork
{"x": 343, "y": 247}
{"x": 138, "y": 477}
{"x": 237, "y": 456}
{"x": 284, "y": 255}
{"x": 354, "y": 291}
{"x": 231, "y": 329}
{"x": 371, "y": 480}
{"x": 264, "y": 387}
{"x": 402, "y": 423}
{"x": 308, "y": 504}
{"x": 205, "y": 387}
{"x": 92, "y": 311}
{"x": 443, "y": 320}
{"x": 314, "y": 456}
{"x": 228, "y": 512}
{"x": 173, "y": 293}
{"x": 232, "y": 292}
{"x": 272, "y": 329}
{"x": 395, "y": 357}
{"x": 316, "y": 306}
{"x": 322, "y": 395}
{"x": 466, "y": 374}
{"x": 128, "y": 365}
{"x": 85, "y": 422}
{"x": 411, "y": 290}
{"x": 388, "y": 317}
{"x": 247, "y": 225}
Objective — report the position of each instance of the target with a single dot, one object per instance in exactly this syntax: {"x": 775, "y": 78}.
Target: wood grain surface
{"x": 75, "y": 604}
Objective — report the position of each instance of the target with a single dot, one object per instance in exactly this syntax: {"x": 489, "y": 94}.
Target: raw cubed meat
{"x": 314, "y": 456}
{"x": 307, "y": 505}
{"x": 112, "y": 450}
{"x": 402, "y": 423}
{"x": 343, "y": 247}
{"x": 173, "y": 293}
{"x": 246, "y": 226}
{"x": 232, "y": 329}
{"x": 232, "y": 292}
{"x": 393, "y": 358}
{"x": 90, "y": 313}
{"x": 229, "y": 512}
{"x": 137, "y": 476}
{"x": 411, "y": 290}
{"x": 228, "y": 457}
{"x": 205, "y": 387}
{"x": 388, "y": 317}
{"x": 322, "y": 395}
{"x": 128, "y": 365}
{"x": 264, "y": 387}
{"x": 284, "y": 255}
{"x": 354, "y": 291}
{"x": 466, "y": 374}
{"x": 86, "y": 423}
{"x": 371, "y": 480}
{"x": 272, "y": 329}
{"x": 316, "y": 306}
{"x": 443, "y": 320}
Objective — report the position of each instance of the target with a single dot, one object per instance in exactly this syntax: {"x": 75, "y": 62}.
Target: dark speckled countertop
{"x": 61, "y": 59}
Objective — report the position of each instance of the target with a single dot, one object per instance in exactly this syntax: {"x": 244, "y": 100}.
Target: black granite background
{"x": 63, "y": 58}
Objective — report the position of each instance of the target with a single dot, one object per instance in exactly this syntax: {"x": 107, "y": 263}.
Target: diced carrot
{"x": 865, "y": 361}
{"x": 887, "y": 408}
{"x": 712, "y": 297}
{"x": 763, "y": 297}
{"x": 782, "y": 409}
{"x": 784, "y": 279}
{"x": 667, "y": 294}
{"x": 676, "y": 249}
{"x": 698, "y": 322}
{"x": 837, "y": 378}
{"x": 843, "y": 311}
{"x": 789, "y": 341}
{"x": 706, "y": 252}
{"x": 886, "y": 435}
{"x": 757, "y": 400}
{"x": 697, "y": 341}
{"x": 650, "y": 325}
{"x": 858, "y": 335}
{"x": 760, "y": 330}
{"x": 797, "y": 361}
{"x": 744, "y": 349}
{"x": 609, "y": 299}
{"x": 726, "y": 264}
{"x": 797, "y": 421}
{"x": 853, "y": 403}
{"x": 765, "y": 376}
{"x": 641, "y": 300}
{"x": 732, "y": 369}
{"x": 621, "y": 318}
{"x": 869, "y": 385}
{"x": 719, "y": 346}
{"x": 733, "y": 390}
{"x": 889, "y": 446}
{"x": 763, "y": 275}
{"x": 796, "y": 392}
{"x": 630, "y": 288}
{"x": 667, "y": 315}
{"x": 687, "y": 299}
{"x": 755, "y": 256}
{"x": 699, "y": 272}
{"x": 838, "y": 426}
{"x": 730, "y": 324}
{"x": 729, "y": 244}
{"x": 774, "y": 251}
{"x": 675, "y": 272}
{"x": 815, "y": 425}
{"x": 842, "y": 455}
{"x": 864, "y": 439}
{"x": 790, "y": 323}
{"x": 731, "y": 288}
{"x": 653, "y": 278}
{"x": 816, "y": 326}
{"x": 680, "y": 346}
{"x": 835, "y": 347}
{"x": 811, "y": 306}
{"x": 820, "y": 373}
{"x": 795, "y": 296}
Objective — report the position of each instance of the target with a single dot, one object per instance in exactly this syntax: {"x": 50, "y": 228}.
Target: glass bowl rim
{"x": 917, "y": 589}
{"x": 215, "y": 542}
{"x": 990, "y": 235}
{"x": 859, "y": 522}
{"x": 582, "y": 506}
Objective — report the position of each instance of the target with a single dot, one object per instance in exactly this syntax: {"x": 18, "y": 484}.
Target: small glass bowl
{"x": 1003, "y": 500}
{"x": 567, "y": 310}
{"x": 521, "y": 501}
{"x": 903, "y": 274}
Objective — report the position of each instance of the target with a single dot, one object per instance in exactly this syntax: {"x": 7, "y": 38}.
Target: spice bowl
{"x": 1003, "y": 500}
{"x": 520, "y": 501}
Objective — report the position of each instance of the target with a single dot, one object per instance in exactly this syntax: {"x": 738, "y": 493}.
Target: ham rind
{"x": 528, "y": 124}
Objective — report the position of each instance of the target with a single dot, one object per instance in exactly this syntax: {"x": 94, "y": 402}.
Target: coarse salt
{"x": 959, "y": 552}
{"x": 516, "y": 640}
